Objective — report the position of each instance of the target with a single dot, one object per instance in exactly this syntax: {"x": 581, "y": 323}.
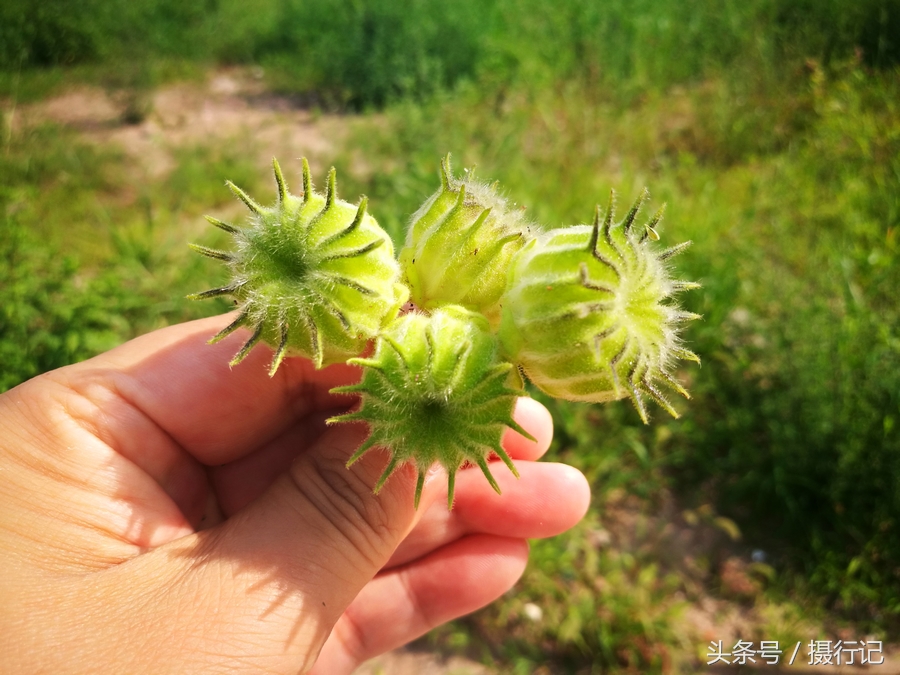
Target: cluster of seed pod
{"x": 583, "y": 311}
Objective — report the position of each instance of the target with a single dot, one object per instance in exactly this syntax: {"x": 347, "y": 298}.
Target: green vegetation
{"x": 772, "y": 130}
{"x": 86, "y": 264}
{"x": 369, "y": 53}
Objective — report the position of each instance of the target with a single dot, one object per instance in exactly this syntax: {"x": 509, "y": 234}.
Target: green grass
{"x": 93, "y": 253}
{"x": 364, "y": 54}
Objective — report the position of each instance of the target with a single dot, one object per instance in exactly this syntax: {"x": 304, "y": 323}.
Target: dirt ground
{"x": 148, "y": 126}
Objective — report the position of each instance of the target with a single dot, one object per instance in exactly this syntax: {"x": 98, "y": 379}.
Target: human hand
{"x": 162, "y": 513}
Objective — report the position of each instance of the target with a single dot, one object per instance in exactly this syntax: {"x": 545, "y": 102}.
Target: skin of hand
{"x": 161, "y": 513}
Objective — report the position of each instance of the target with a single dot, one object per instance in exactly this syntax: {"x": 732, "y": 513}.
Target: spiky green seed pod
{"x": 459, "y": 246}
{"x": 312, "y": 275}
{"x": 435, "y": 391}
{"x": 586, "y": 314}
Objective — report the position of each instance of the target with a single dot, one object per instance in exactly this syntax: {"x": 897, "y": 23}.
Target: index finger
{"x": 215, "y": 412}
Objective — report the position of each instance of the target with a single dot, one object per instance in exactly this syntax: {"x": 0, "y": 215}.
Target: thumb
{"x": 277, "y": 576}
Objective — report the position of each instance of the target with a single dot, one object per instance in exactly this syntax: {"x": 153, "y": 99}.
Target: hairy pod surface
{"x": 435, "y": 390}
{"x": 459, "y": 246}
{"x": 312, "y": 275}
{"x": 586, "y": 314}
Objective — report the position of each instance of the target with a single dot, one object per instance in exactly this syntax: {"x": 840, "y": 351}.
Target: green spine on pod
{"x": 586, "y": 314}
{"x": 436, "y": 390}
{"x": 312, "y": 275}
{"x": 459, "y": 246}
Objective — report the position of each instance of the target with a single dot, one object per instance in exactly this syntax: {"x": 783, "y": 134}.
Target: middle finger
{"x": 545, "y": 501}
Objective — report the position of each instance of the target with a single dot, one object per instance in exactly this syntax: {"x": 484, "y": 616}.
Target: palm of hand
{"x": 161, "y": 513}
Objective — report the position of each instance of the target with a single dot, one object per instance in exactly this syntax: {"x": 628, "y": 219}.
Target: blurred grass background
{"x": 770, "y": 127}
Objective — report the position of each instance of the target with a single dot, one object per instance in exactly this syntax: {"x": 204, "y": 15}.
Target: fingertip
{"x": 503, "y": 560}
{"x": 536, "y": 420}
{"x": 547, "y": 500}
{"x": 577, "y": 489}
{"x": 517, "y": 553}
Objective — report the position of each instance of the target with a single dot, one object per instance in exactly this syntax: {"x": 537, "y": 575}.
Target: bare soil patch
{"x": 230, "y": 104}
